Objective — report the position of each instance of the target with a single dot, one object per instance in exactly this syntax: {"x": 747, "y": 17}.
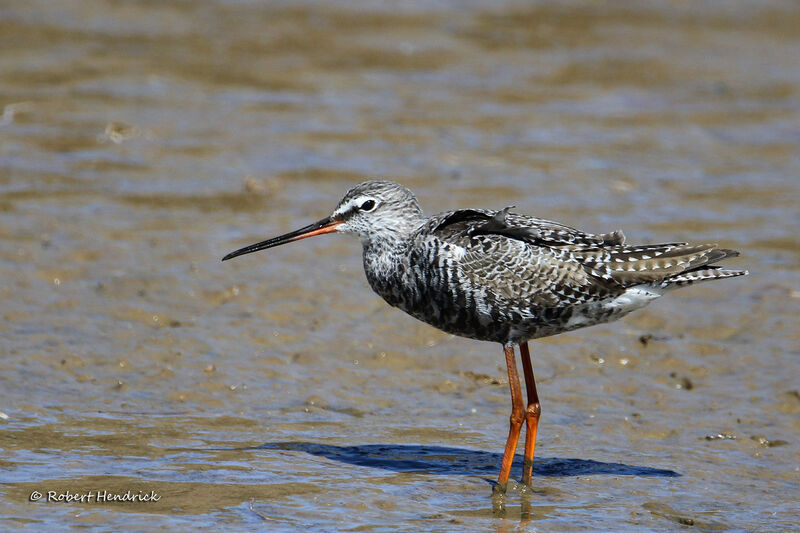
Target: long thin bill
{"x": 326, "y": 225}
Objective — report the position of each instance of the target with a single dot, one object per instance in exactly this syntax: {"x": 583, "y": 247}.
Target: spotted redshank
{"x": 504, "y": 277}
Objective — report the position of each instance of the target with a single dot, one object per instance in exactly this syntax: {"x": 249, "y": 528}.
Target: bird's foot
{"x": 525, "y": 489}
{"x": 499, "y": 489}
{"x": 499, "y": 499}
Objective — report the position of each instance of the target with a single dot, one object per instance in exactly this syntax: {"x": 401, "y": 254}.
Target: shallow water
{"x": 141, "y": 141}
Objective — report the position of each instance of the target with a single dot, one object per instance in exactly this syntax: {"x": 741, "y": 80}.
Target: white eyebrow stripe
{"x": 353, "y": 205}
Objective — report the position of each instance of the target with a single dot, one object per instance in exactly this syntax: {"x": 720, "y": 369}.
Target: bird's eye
{"x": 369, "y": 205}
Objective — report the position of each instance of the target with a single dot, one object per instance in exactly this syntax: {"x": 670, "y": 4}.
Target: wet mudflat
{"x": 141, "y": 141}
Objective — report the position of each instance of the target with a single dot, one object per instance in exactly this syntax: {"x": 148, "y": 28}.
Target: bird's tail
{"x": 705, "y": 271}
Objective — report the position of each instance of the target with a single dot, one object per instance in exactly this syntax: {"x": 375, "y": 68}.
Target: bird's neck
{"x": 390, "y": 243}
{"x": 386, "y": 262}
{"x": 392, "y": 234}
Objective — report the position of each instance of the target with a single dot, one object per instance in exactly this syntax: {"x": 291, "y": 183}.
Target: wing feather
{"x": 526, "y": 261}
{"x": 533, "y": 261}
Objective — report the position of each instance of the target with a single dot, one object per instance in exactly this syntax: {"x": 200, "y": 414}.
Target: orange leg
{"x": 531, "y": 414}
{"x": 517, "y": 416}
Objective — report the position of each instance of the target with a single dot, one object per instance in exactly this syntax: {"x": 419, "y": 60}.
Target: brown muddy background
{"x": 140, "y": 141}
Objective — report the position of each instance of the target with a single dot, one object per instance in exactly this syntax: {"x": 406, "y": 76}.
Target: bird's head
{"x": 376, "y": 211}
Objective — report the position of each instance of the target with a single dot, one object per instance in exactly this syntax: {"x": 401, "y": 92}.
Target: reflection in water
{"x": 445, "y": 460}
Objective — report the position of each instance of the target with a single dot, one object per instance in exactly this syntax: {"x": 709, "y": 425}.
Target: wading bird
{"x": 504, "y": 277}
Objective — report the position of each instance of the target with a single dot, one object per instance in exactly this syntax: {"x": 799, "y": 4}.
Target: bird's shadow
{"x": 457, "y": 461}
